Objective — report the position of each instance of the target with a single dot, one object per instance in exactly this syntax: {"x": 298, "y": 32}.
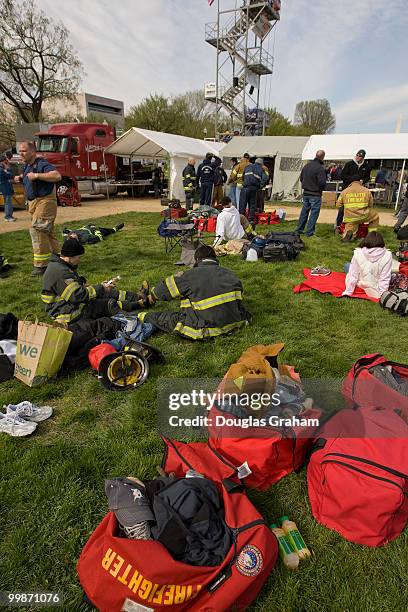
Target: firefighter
{"x": 211, "y": 300}
{"x": 254, "y": 178}
{"x": 68, "y": 298}
{"x": 205, "y": 176}
{"x": 260, "y": 196}
{"x": 358, "y": 202}
{"x": 190, "y": 182}
{"x": 39, "y": 178}
{"x": 236, "y": 176}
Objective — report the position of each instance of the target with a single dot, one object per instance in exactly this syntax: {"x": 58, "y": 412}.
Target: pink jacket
{"x": 370, "y": 269}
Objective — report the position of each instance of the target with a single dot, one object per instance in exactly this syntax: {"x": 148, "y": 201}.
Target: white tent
{"x": 345, "y": 146}
{"x": 287, "y": 151}
{"x": 138, "y": 142}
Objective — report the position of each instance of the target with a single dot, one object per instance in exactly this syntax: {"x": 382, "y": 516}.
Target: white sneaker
{"x": 15, "y": 425}
{"x": 29, "y": 411}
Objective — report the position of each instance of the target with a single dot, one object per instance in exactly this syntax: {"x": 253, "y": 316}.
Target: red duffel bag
{"x": 358, "y": 477}
{"x": 362, "y": 388}
{"x": 113, "y": 569}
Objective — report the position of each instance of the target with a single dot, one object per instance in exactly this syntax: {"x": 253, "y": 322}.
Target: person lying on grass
{"x": 68, "y": 298}
{"x": 370, "y": 267}
{"x": 211, "y": 300}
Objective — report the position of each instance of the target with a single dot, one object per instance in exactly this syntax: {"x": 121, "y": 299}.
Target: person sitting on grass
{"x": 370, "y": 267}
{"x": 211, "y": 300}
{"x": 68, "y": 298}
{"x": 230, "y": 224}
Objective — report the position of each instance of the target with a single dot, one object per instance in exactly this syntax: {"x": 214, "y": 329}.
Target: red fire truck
{"x": 77, "y": 151}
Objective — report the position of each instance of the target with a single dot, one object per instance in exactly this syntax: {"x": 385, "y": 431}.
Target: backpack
{"x": 402, "y": 234}
{"x": 374, "y": 381}
{"x": 292, "y": 238}
{"x": 164, "y": 232}
{"x": 279, "y": 251}
{"x": 113, "y": 570}
{"x": 398, "y": 281}
{"x": 396, "y": 300}
{"x": 258, "y": 243}
{"x": 357, "y": 475}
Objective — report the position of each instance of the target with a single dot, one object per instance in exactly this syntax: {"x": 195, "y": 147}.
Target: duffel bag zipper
{"x": 226, "y": 571}
{"x": 222, "y": 459}
{"x": 364, "y": 366}
{"x": 352, "y": 467}
{"x": 368, "y": 462}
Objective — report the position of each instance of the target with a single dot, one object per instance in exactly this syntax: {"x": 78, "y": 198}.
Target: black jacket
{"x": 255, "y": 176}
{"x": 205, "y": 172}
{"x": 313, "y": 178}
{"x": 189, "y": 178}
{"x": 351, "y": 169}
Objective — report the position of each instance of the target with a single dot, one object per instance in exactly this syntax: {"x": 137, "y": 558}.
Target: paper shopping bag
{"x": 41, "y": 349}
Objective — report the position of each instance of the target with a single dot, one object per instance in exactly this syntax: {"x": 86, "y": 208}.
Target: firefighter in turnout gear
{"x": 68, "y": 298}
{"x": 358, "y": 202}
{"x": 210, "y": 300}
{"x": 255, "y": 178}
{"x": 190, "y": 183}
{"x": 236, "y": 176}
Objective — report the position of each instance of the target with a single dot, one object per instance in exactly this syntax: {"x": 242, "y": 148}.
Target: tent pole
{"x": 400, "y": 184}
{"x": 131, "y": 175}
{"x": 106, "y": 175}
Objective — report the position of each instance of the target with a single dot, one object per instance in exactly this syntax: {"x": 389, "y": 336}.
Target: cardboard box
{"x": 329, "y": 198}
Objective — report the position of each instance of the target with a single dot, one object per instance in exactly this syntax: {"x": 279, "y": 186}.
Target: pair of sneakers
{"x": 21, "y": 419}
{"x": 320, "y": 271}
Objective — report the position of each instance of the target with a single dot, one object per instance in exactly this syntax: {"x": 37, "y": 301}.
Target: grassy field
{"x": 52, "y": 483}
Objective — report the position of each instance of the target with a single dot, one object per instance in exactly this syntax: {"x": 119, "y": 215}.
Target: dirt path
{"x": 93, "y": 208}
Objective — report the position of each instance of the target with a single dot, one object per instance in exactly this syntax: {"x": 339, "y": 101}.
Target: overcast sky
{"x": 352, "y": 53}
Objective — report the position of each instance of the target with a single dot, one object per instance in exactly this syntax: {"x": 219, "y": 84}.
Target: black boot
{"x": 38, "y": 271}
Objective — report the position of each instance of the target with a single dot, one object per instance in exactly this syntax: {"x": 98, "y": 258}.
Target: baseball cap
{"x": 127, "y": 499}
{"x": 362, "y": 153}
{"x": 259, "y": 160}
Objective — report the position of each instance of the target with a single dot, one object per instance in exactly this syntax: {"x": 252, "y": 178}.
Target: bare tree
{"x": 8, "y": 120}
{"x": 315, "y": 116}
{"x": 37, "y": 61}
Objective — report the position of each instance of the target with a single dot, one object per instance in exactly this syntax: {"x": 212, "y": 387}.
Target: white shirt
{"x": 229, "y": 225}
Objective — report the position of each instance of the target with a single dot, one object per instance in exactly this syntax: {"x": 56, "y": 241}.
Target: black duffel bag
{"x": 291, "y": 238}
{"x": 279, "y": 251}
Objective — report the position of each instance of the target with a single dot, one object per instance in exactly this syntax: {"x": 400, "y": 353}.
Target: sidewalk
{"x": 93, "y": 208}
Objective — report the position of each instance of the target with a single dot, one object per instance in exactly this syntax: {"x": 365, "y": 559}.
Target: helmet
{"x": 123, "y": 371}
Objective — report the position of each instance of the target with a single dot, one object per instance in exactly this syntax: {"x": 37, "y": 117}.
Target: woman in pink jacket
{"x": 370, "y": 267}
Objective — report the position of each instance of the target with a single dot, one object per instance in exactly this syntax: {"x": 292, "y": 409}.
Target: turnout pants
{"x": 112, "y": 303}
{"x": 372, "y": 219}
{"x": 206, "y": 191}
{"x": 248, "y": 198}
{"x": 43, "y": 212}
{"x": 217, "y": 194}
{"x": 165, "y": 321}
{"x": 189, "y": 200}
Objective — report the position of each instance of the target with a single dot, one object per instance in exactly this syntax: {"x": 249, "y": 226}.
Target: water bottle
{"x": 295, "y": 538}
{"x": 290, "y": 559}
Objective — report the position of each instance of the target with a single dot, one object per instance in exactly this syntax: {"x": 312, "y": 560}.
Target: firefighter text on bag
{"x": 41, "y": 349}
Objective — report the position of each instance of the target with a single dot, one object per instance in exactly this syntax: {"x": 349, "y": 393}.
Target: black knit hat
{"x": 204, "y": 251}
{"x": 72, "y": 247}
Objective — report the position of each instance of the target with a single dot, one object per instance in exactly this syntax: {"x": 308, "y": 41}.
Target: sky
{"x": 352, "y": 53}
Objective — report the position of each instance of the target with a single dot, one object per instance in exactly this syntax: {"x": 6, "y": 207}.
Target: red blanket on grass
{"x": 334, "y": 284}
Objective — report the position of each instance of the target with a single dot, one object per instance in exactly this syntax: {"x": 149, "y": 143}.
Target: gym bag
{"x": 279, "y": 251}
{"x": 118, "y": 572}
{"x": 258, "y": 244}
{"x": 395, "y": 300}
{"x": 357, "y": 475}
{"x": 376, "y": 382}
{"x": 287, "y": 238}
{"x": 269, "y": 452}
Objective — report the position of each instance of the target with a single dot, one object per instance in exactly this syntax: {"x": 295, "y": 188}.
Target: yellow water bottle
{"x": 295, "y": 538}
{"x": 290, "y": 559}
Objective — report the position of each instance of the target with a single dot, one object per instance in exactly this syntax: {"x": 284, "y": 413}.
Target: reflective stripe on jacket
{"x": 189, "y": 178}
{"x": 357, "y": 201}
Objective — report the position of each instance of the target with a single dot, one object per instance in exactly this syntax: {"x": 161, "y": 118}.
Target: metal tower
{"x": 238, "y": 36}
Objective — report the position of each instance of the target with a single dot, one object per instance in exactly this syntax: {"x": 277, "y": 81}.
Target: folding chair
{"x": 175, "y": 233}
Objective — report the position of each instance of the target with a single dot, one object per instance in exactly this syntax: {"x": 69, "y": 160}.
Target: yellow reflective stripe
{"x": 47, "y": 298}
{"x": 218, "y": 331}
{"x": 217, "y": 300}
{"x": 69, "y": 290}
{"x": 69, "y": 316}
{"x": 91, "y": 292}
{"x": 42, "y": 257}
{"x": 185, "y": 304}
{"x": 206, "y": 332}
{"x": 190, "y": 332}
{"x": 356, "y": 205}
{"x": 122, "y": 295}
{"x": 119, "y": 303}
{"x": 172, "y": 287}
{"x": 141, "y": 316}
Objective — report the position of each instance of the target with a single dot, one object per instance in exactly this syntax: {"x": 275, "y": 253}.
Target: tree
{"x": 279, "y": 125}
{"x": 154, "y": 113}
{"x": 37, "y": 61}
{"x": 315, "y": 116}
{"x": 7, "y": 123}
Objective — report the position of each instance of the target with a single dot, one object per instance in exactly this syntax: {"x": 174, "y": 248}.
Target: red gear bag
{"x": 113, "y": 569}
{"x": 357, "y": 475}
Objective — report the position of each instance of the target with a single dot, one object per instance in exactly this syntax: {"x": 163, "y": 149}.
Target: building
{"x": 86, "y": 104}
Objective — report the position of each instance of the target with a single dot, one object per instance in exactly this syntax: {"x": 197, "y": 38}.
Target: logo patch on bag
{"x": 249, "y": 561}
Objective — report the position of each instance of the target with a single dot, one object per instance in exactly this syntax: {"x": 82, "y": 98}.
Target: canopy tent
{"x": 287, "y": 151}
{"x": 377, "y": 146}
{"x": 138, "y": 142}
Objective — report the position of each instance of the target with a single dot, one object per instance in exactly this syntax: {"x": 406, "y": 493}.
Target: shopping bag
{"x": 41, "y": 349}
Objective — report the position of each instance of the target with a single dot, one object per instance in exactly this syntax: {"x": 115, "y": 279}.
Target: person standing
{"x": 189, "y": 182}
{"x": 39, "y": 178}
{"x": 254, "y": 178}
{"x": 403, "y": 213}
{"x": 157, "y": 181}
{"x": 6, "y": 188}
{"x": 357, "y": 202}
{"x": 237, "y": 174}
{"x": 205, "y": 176}
{"x": 313, "y": 180}
{"x": 357, "y": 166}
{"x": 220, "y": 177}
{"x": 260, "y": 196}
{"x": 232, "y": 184}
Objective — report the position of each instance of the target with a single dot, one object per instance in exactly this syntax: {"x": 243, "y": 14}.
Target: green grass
{"x": 52, "y": 484}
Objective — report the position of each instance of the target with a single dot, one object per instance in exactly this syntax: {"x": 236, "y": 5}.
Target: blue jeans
{"x": 347, "y": 267}
{"x": 309, "y": 214}
{"x": 232, "y": 195}
{"x": 8, "y": 206}
{"x": 238, "y": 190}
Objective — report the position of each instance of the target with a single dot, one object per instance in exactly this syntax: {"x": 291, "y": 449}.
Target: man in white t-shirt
{"x": 230, "y": 224}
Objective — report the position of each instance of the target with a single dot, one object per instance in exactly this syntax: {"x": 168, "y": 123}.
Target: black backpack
{"x": 291, "y": 238}
{"x": 396, "y": 300}
{"x": 276, "y": 250}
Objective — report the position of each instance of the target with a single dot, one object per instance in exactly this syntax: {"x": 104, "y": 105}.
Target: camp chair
{"x": 176, "y": 233}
